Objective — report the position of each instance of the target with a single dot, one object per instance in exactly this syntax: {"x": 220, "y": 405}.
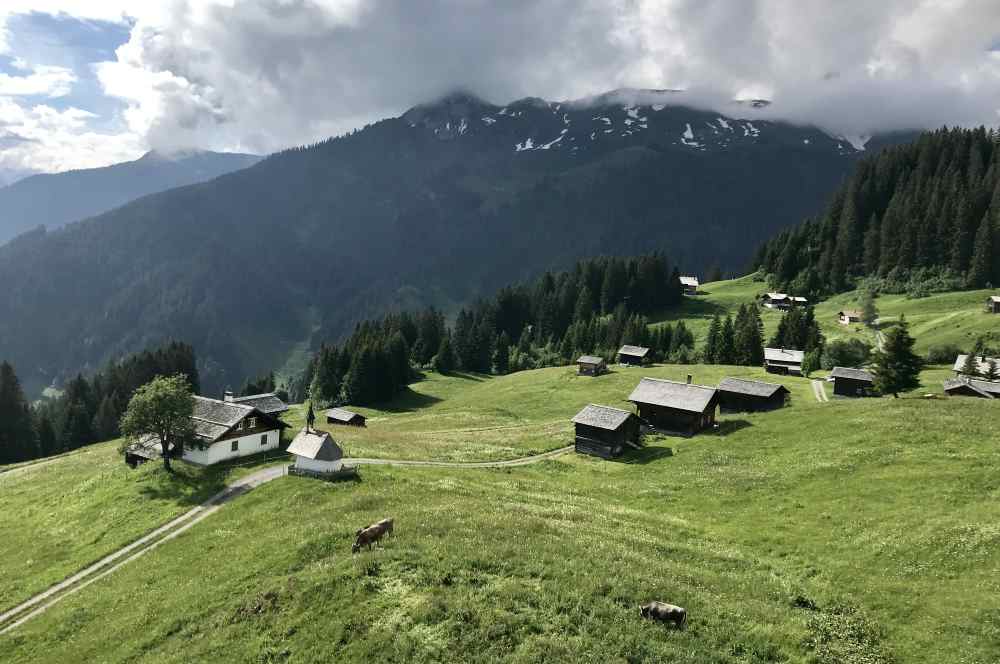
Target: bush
{"x": 943, "y": 353}
{"x": 851, "y": 353}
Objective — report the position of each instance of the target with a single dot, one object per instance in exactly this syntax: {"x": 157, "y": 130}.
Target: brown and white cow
{"x": 665, "y": 613}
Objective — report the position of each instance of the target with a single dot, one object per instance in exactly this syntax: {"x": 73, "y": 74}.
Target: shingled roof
{"x": 783, "y": 355}
{"x": 852, "y": 374}
{"x": 266, "y": 403}
{"x": 342, "y": 414}
{"x": 637, "y": 351}
{"x": 982, "y": 387}
{"x": 213, "y": 418}
{"x": 982, "y": 364}
{"x": 316, "y": 445}
{"x": 689, "y": 281}
{"x": 602, "y": 417}
{"x": 754, "y": 388}
{"x": 671, "y": 394}
{"x": 589, "y": 359}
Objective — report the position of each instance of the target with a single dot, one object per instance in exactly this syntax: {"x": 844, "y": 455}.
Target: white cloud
{"x": 38, "y": 80}
{"x": 264, "y": 74}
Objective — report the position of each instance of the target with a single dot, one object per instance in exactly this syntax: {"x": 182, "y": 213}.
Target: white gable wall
{"x": 222, "y": 451}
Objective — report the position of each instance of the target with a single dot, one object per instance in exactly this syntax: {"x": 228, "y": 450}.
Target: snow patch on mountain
{"x": 528, "y": 144}
{"x": 488, "y": 120}
{"x": 858, "y": 142}
{"x": 724, "y": 124}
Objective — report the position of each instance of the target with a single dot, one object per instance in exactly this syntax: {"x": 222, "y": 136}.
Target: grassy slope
{"x": 853, "y": 531}
{"x": 62, "y": 514}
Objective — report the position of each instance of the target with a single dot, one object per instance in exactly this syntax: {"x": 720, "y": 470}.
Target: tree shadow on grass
{"x": 645, "y": 455}
{"x": 409, "y": 401}
{"x": 693, "y": 308}
{"x": 726, "y": 427}
{"x": 187, "y": 487}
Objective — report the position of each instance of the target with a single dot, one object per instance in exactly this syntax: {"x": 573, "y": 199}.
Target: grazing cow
{"x": 665, "y": 613}
{"x": 385, "y": 525}
{"x": 367, "y": 536}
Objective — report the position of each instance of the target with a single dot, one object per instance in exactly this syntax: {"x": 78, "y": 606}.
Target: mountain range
{"x": 440, "y": 205}
{"x": 55, "y": 199}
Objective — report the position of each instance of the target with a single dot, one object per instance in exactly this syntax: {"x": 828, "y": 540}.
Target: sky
{"x": 87, "y": 83}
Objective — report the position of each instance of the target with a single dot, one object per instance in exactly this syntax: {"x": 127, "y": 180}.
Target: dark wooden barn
{"x": 783, "y": 361}
{"x": 604, "y": 431}
{"x": 591, "y": 365}
{"x": 970, "y": 387}
{"x": 673, "y": 407}
{"x": 993, "y": 304}
{"x": 852, "y": 382}
{"x": 344, "y": 416}
{"x": 738, "y": 395}
{"x": 632, "y": 355}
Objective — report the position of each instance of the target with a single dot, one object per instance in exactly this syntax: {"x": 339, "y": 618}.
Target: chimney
{"x": 689, "y": 379}
{"x": 228, "y": 396}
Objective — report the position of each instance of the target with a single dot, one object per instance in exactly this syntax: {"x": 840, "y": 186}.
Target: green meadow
{"x": 852, "y": 531}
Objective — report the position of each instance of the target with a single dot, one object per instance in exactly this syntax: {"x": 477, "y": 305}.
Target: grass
{"x": 847, "y": 532}
{"x": 61, "y": 515}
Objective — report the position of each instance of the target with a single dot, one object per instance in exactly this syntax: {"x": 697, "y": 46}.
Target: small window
{"x": 263, "y": 440}
{"x": 251, "y": 422}
{"x": 236, "y": 445}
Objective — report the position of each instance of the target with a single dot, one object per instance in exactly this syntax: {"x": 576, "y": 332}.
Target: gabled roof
{"x": 589, "y": 359}
{"x": 776, "y": 296}
{"x": 853, "y": 313}
{"x": 671, "y": 394}
{"x": 689, "y": 281}
{"x": 983, "y": 388}
{"x": 784, "y": 355}
{"x": 982, "y": 364}
{"x": 755, "y": 388}
{"x": 316, "y": 445}
{"x": 637, "y": 351}
{"x": 852, "y": 374}
{"x": 602, "y": 417}
{"x": 266, "y": 403}
{"x": 799, "y": 298}
{"x": 994, "y": 298}
{"x": 213, "y": 418}
{"x": 342, "y": 414}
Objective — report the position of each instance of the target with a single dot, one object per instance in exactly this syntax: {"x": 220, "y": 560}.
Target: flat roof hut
{"x": 970, "y": 387}
{"x": 783, "y": 361}
{"x": 344, "y": 416}
{"x": 993, "y": 304}
{"x": 591, "y": 365}
{"x": 674, "y": 407}
{"x": 632, "y": 355}
{"x": 849, "y": 382}
{"x": 604, "y": 431}
{"x": 739, "y": 395}
{"x": 315, "y": 453}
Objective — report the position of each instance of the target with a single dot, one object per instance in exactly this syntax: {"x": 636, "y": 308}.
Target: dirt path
{"x": 18, "y": 615}
{"x": 819, "y": 391}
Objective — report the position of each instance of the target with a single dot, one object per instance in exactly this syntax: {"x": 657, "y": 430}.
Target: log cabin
{"x": 783, "y": 361}
{"x": 739, "y": 395}
{"x": 223, "y": 431}
{"x": 782, "y": 301}
{"x": 690, "y": 285}
{"x": 345, "y": 417}
{"x": 674, "y": 407}
{"x": 604, "y": 431}
{"x": 591, "y": 365}
{"x": 993, "y": 304}
{"x": 848, "y": 317}
{"x": 632, "y": 355}
{"x": 849, "y": 382}
{"x": 970, "y": 387}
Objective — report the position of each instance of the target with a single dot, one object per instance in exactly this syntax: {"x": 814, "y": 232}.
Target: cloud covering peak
{"x": 259, "y": 75}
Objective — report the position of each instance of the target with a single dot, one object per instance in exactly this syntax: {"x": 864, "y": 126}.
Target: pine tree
{"x": 105, "y": 424}
{"x": 981, "y": 269}
{"x": 726, "y": 353}
{"x": 45, "y": 434}
{"x": 869, "y": 312}
{"x": 17, "y": 435}
{"x": 501, "y": 356}
{"x": 992, "y": 372}
{"x": 711, "y": 352}
{"x": 896, "y": 367}
{"x": 970, "y": 367}
{"x": 444, "y": 361}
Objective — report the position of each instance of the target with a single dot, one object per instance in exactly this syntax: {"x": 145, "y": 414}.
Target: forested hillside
{"x": 436, "y": 207}
{"x": 55, "y": 199}
{"x": 917, "y": 217}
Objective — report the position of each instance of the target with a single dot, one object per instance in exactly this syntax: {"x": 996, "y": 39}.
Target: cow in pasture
{"x": 372, "y": 534}
{"x": 664, "y": 613}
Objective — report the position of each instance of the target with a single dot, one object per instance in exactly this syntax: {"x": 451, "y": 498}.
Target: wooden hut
{"x": 674, "y": 407}
{"x": 591, "y": 365}
{"x": 739, "y": 395}
{"x": 605, "y": 431}
{"x": 848, "y": 316}
{"x": 993, "y": 304}
{"x": 981, "y": 363}
{"x": 632, "y": 355}
{"x": 782, "y": 301}
{"x": 970, "y": 387}
{"x": 783, "y": 361}
{"x": 852, "y": 382}
{"x": 344, "y": 416}
{"x": 690, "y": 285}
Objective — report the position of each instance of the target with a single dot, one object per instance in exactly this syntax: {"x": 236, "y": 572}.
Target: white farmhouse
{"x": 316, "y": 453}
{"x": 223, "y": 430}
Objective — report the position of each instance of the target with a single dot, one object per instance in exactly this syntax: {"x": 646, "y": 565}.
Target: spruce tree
{"x": 17, "y": 435}
{"x": 970, "y": 367}
{"x": 896, "y": 368}
{"x": 501, "y": 356}
{"x": 869, "y": 312}
{"x": 992, "y": 372}
{"x": 981, "y": 269}
{"x": 444, "y": 361}
{"x": 712, "y": 341}
{"x": 726, "y": 353}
